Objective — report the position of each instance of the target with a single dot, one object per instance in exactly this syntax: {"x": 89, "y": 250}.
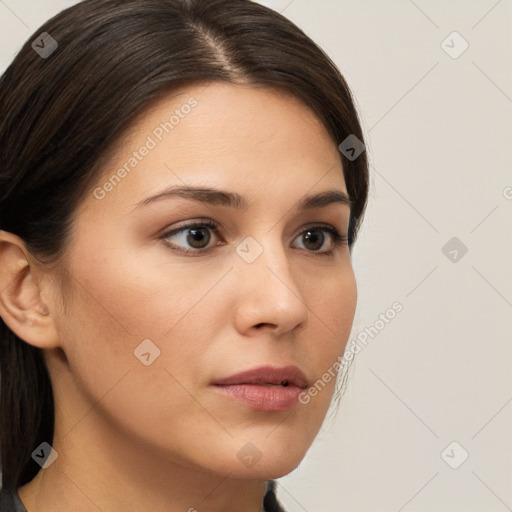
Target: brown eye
{"x": 198, "y": 238}
{"x": 313, "y": 239}
{"x": 192, "y": 237}
{"x": 195, "y": 238}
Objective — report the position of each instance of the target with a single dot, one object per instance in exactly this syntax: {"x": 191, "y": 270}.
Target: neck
{"x": 120, "y": 476}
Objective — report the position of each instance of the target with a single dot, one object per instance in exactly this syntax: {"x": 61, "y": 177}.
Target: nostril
{"x": 258, "y": 326}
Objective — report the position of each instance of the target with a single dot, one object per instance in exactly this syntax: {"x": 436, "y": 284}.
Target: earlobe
{"x": 22, "y": 305}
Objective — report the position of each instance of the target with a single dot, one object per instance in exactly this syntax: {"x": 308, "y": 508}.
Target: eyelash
{"x": 338, "y": 239}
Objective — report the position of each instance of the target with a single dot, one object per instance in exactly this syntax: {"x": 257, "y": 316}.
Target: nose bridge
{"x": 268, "y": 293}
{"x": 267, "y": 258}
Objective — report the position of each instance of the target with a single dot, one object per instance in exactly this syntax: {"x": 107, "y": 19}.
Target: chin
{"x": 278, "y": 468}
{"x": 269, "y": 458}
{"x": 262, "y": 470}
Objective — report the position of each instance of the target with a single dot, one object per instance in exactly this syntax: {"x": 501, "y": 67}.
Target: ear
{"x": 23, "y": 305}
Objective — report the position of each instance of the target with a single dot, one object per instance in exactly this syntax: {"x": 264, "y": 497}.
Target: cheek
{"x": 118, "y": 302}
{"x": 333, "y": 305}
{"x": 115, "y": 306}
{"x": 333, "y": 314}
{"x": 139, "y": 297}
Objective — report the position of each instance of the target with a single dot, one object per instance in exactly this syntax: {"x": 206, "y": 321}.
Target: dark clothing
{"x": 270, "y": 503}
{"x": 10, "y": 501}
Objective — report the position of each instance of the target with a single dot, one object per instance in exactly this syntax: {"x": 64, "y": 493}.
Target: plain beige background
{"x": 432, "y": 386}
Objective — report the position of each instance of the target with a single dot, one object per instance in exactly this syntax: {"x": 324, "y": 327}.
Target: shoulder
{"x": 270, "y": 502}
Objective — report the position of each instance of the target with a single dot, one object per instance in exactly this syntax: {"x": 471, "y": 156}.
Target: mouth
{"x": 265, "y": 388}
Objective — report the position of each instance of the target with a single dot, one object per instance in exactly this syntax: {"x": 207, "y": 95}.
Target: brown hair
{"x": 61, "y": 115}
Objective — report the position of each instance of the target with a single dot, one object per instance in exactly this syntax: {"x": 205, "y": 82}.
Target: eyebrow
{"x": 233, "y": 200}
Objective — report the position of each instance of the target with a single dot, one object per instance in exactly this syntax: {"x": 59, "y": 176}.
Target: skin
{"x": 132, "y": 437}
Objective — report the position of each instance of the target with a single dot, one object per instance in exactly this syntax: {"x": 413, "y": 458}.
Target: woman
{"x": 181, "y": 185}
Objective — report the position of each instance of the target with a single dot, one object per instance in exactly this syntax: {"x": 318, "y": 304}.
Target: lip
{"x": 262, "y": 389}
{"x": 267, "y": 375}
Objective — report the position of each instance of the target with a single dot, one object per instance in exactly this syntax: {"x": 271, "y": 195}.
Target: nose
{"x": 267, "y": 295}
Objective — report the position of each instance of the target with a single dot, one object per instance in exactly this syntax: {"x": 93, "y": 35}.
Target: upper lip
{"x": 267, "y": 375}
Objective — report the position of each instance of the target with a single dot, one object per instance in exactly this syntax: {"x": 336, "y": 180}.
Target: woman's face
{"x": 150, "y": 328}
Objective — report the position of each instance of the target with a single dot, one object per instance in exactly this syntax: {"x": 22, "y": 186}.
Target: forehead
{"x": 239, "y": 137}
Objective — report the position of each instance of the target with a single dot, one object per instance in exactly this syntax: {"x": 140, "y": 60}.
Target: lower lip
{"x": 263, "y": 397}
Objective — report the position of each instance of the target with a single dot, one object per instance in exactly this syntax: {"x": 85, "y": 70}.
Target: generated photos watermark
{"x": 157, "y": 135}
{"x": 351, "y": 350}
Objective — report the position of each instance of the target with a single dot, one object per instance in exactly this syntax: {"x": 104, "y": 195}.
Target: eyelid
{"x": 191, "y": 224}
